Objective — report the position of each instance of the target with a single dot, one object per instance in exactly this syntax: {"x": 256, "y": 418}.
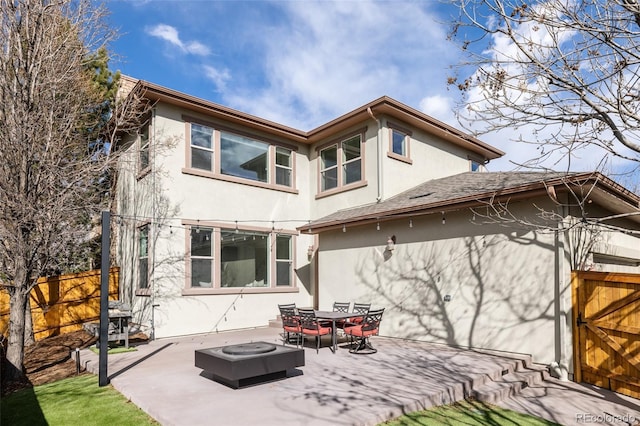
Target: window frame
{"x": 479, "y": 162}
{"x": 271, "y": 274}
{"x": 341, "y": 163}
{"x": 211, "y": 150}
{"x": 143, "y": 229}
{"x": 144, "y": 167}
{"x": 215, "y": 172}
{"x": 406, "y": 156}
{"x": 211, "y": 257}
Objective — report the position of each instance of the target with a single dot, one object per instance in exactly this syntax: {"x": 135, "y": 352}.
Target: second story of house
{"x": 213, "y": 157}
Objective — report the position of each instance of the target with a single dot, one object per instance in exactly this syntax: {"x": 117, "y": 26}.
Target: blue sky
{"x": 300, "y": 63}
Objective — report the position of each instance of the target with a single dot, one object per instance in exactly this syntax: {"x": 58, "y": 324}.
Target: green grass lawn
{"x": 75, "y": 401}
{"x": 80, "y": 401}
{"x": 468, "y": 414}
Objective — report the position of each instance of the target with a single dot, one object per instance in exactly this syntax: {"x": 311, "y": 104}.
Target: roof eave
{"x": 388, "y": 106}
{"x": 608, "y": 190}
{"x": 164, "y": 94}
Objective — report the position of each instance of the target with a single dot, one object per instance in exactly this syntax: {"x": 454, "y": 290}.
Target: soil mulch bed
{"x": 50, "y": 359}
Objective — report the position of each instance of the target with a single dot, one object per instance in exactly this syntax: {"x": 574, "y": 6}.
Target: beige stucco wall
{"x": 509, "y": 286}
{"x": 173, "y": 197}
{"x": 431, "y": 158}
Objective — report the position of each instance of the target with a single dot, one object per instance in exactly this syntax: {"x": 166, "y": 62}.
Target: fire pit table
{"x": 248, "y": 363}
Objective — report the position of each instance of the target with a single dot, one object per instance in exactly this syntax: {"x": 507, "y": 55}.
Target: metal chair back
{"x": 341, "y": 307}
{"x": 372, "y": 320}
{"x": 289, "y": 317}
{"x": 361, "y": 308}
{"x": 308, "y": 319}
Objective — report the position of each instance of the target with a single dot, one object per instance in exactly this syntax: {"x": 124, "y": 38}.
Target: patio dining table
{"x": 333, "y": 316}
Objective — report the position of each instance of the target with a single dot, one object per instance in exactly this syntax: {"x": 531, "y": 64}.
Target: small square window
{"x": 399, "y": 142}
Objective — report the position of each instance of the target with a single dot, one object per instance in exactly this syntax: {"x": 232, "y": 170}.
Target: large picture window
{"x": 244, "y": 157}
{"x": 341, "y": 163}
{"x": 245, "y": 259}
{"x": 230, "y": 156}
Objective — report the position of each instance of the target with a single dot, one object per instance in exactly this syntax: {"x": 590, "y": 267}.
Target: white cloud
{"x": 328, "y": 58}
{"x": 219, "y": 77}
{"x": 439, "y": 107}
{"x": 170, "y": 34}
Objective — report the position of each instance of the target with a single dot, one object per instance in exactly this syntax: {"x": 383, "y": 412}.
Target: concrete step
{"x": 276, "y": 322}
{"x": 510, "y": 383}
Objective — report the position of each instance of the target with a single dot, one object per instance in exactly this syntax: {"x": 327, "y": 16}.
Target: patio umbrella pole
{"x": 103, "y": 340}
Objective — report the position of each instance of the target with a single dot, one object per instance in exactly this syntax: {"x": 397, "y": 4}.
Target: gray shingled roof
{"x": 446, "y": 191}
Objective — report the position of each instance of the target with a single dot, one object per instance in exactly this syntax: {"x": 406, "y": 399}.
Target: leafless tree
{"x": 51, "y": 168}
{"x": 566, "y": 71}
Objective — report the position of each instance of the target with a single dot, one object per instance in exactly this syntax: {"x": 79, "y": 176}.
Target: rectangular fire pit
{"x": 248, "y": 363}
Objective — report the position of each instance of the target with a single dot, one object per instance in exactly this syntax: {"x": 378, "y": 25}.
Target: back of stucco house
{"x": 222, "y": 215}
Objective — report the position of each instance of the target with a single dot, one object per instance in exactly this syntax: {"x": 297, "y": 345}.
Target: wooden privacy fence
{"x": 62, "y": 304}
{"x": 606, "y": 321}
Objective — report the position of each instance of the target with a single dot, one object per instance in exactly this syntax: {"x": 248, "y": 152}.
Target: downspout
{"x": 154, "y": 225}
{"x": 560, "y": 368}
{"x": 379, "y": 153}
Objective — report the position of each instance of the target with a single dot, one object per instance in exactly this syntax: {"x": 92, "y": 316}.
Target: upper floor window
{"x": 231, "y": 156}
{"x": 476, "y": 165}
{"x": 143, "y": 148}
{"x": 399, "y": 143}
{"x": 244, "y": 157}
{"x": 341, "y": 163}
{"x": 201, "y": 147}
{"x": 284, "y": 167}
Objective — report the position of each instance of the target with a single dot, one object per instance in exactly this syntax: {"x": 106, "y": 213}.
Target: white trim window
{"x": 143, "y": 257}
{"x": 284, "y": 260}
{"x": 144, "y": 146}
{"x": 224, "y": 259}
{"x": 329, "y": 168}
{"x": 201, "y": 147}
{"x": 399, "y": 143}
{"x": 201, "y": 257}
{"x": 284, "y": 166}
{"x": 244, "y": 157}
{"x": 341, "y": 163}
{"x": 239, "y": 158}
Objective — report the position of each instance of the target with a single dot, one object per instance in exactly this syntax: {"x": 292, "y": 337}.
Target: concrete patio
{"x": 346, "y": 389}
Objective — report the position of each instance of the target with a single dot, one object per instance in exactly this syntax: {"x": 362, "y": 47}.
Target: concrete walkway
{"x": 341, "y": 388}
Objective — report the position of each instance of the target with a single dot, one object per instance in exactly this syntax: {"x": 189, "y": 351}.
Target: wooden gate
{"x": 606, "y": 333}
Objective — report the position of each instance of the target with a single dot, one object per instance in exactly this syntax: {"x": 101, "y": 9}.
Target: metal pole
{"x": 103, "y": 340}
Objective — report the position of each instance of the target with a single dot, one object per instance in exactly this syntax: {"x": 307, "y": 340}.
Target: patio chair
{"x": 312, "y": 327}
{"x": 360, "y": 333}
{"x": 341, "y": 307}
{"x": 290, "y": 323}
{"x": 360, "y": 309}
